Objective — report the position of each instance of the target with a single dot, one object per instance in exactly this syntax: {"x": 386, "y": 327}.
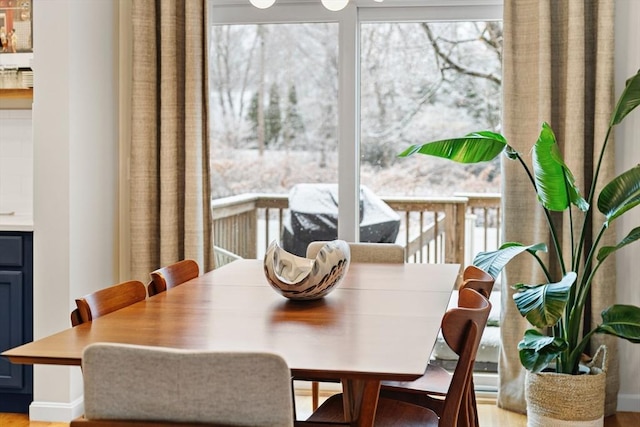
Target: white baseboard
{"x": 629, "y": 402}
{"x": 56, "y": 411}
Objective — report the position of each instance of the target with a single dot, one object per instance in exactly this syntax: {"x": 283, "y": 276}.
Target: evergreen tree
{"x": 273, "y": 117}
{"x": 252, "y": 116}
{"x": 293, "y": 122}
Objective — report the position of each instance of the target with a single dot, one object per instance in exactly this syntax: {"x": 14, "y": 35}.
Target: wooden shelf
{"x": 16, "y": 93}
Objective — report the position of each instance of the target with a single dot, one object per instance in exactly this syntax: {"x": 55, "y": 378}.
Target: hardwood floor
{"x": 489, "y": 414}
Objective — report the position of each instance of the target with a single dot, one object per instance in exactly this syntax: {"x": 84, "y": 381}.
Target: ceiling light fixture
{"x": 332, "y": 5}
{"x": 262, "y": 4}
{"x": 335, "y": 5}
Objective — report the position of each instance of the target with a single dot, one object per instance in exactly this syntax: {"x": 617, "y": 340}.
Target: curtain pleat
{"x": 558, "y": 68}
{"x": 169, "y": 166}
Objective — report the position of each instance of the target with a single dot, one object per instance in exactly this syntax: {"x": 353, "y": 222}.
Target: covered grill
{"x": 313, "y": 215}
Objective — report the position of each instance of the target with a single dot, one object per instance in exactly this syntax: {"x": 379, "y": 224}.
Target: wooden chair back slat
{"x": 478, "y": 280}
{"x": 107, "y": 300}
{"x": 172, "y": 275}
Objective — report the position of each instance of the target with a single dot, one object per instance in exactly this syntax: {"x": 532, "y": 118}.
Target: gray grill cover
{"x": 313, "y": 215}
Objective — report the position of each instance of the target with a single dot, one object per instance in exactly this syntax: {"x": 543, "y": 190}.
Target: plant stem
{"x": 585, "y": 282}
{"x": 544, "y": 268}
{"x": 592, "y": 190}
{"x": 578, "y": 295}
{"x": 574, "y": 357}
{"x": 588, "y": 215}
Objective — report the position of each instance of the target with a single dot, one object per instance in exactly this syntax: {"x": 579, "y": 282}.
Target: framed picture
{"x": 16, "y": 26}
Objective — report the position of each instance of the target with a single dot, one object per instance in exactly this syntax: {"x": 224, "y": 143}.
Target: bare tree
{"x": 445, "y": 50}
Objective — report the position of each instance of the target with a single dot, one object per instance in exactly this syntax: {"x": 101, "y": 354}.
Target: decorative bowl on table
{"x": 300, "y": 278}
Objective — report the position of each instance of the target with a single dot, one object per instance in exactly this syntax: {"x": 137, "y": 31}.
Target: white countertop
{"x": 16, "y": 223}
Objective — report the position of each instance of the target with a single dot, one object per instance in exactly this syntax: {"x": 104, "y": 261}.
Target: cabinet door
{"x": 11, "y": 326}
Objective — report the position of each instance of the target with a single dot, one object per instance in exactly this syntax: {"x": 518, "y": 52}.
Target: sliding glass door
{"x": 301, "y": 95}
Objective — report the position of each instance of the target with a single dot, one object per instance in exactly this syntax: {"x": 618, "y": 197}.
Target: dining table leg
{"x": 360, "y": 399}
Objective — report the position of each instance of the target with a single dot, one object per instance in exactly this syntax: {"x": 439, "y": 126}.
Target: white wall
{"x": 16, "y": 162}
{"x": 75, "y": 173}
{"x": 627, "y": 139}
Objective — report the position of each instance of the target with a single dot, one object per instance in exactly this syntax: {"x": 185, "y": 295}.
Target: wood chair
{"x": 482, "y": 282}
{"x": 107, "y": 300}
{"x": 172, "y": 275}
{"x": 431, "y": 389}
{"x": 477, "y": 279}
{"x": 360, "y": 252}
{"x": 461, "y": 329}
{"x": 190, "y": 387}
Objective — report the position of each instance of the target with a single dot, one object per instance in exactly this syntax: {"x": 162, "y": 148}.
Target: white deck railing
{"x": 435, "y": 229}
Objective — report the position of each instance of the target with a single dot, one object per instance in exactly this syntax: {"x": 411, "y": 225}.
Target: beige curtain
{"x": 558, "y": 68}
{"x": 169, "y": 166}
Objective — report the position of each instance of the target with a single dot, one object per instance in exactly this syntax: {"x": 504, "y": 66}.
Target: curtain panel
{"x": 558, "y": 68}
{"x": 169, "y": 166}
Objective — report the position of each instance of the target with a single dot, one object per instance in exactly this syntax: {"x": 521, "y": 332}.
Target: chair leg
{"x": 315, "y": 393}
{"x": 468, "y": 416}
{"x": 474, "y": 406}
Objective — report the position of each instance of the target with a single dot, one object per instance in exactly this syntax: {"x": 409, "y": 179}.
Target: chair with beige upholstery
{"x": 141, "y": 386}
{"x": 360, "y": 252}
{"x": 172, "y": 275}
{"x": 107, "y": 300}
{"x": 398, "y": 402}
{"x": 365, "y": 252}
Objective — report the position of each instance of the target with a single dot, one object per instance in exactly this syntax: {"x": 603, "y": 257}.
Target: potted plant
{"x": 556, "y": 308}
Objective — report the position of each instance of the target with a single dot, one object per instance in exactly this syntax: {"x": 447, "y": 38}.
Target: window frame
{"x": 223, "y": 12}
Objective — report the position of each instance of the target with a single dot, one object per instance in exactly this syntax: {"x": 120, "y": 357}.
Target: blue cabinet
{"x": 16, "y": 317}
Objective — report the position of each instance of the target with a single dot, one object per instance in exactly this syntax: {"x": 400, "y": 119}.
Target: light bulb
{"x": 262, "y": 4}
{"x": 335, "y": 5}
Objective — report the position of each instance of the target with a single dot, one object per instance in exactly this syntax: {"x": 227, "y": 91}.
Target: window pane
{"x": 273, "y": 103}
{"x": 426, "y": 81}
{"x": 422, "y": 82}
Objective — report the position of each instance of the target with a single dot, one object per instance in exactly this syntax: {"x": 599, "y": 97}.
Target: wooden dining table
{"x": 380, "y": 323}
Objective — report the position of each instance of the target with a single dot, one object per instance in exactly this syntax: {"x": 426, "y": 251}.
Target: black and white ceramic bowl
{"x": 300, "y": 278}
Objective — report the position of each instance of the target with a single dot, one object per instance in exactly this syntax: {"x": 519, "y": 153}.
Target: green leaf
{"x": 543, "y": 305}
{"x": 538, "y": 350}
{"x": 620, "y": 195}
{"x": 554, "y": 181}
{"x": 605, "y": 251}
{"x": 473, "y": 148}
{"x": 494, "y": 261}
{"x": 623, "y": 321}
{"x": 629, "y": 99}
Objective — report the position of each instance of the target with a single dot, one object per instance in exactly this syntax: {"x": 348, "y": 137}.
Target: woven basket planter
{"x": 561, "y": 400}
